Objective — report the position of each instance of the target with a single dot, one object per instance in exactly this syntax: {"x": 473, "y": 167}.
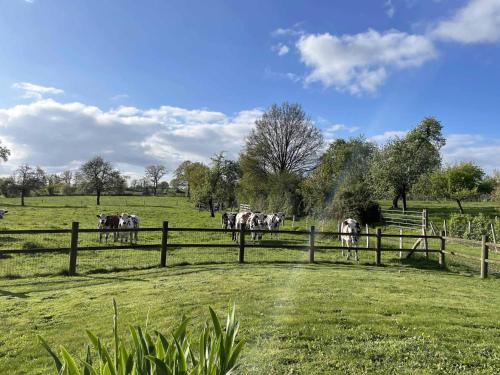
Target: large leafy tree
{"x": 345, "y": 162}
{"x": 402, "y": 161}
{"x": 27, "y": 179}
{"x": 457, "y": 182}
{"x": 98, "y": 175}
{"x": 154, "y": 174}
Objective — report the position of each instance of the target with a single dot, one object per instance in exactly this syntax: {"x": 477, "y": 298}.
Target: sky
{"x": 146, "y": 82}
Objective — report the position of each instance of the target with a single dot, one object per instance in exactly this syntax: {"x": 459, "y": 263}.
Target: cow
{"x": 257, "y": 221}
{"x": 351, "y": 230}
{"x": 273, "y": 222}
{"x": 108, "y": 222}
{"x": 228, "y": 221}
{"x": 126, "y": 222}
{"x": 242, "y": 221}
{"x": 281, "y": 215}
{"x": 2, "y": 213}
{"x": 135, "y": 226}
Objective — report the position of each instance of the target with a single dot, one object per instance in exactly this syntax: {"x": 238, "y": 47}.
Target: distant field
{"x": 336, "y": 316}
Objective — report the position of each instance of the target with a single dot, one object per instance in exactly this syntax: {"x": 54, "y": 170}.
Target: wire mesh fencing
{"x": 33, "y": 253}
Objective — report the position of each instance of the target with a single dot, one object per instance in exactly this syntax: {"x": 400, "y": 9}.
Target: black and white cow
{"x": 351, "y": 230}
{"x": 2, "y": 213}
{"x": 228, "y": 221}
{"x": 242, "y": 221}
{"x": 107, "y": 222}
{"x": 257, "y": 221}
{"x": 273, "y": 222}
{"x": 130, "y": 222}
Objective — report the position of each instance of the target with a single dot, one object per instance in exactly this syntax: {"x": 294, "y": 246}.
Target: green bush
{"x": 216, "y": 352}
{"x": 354, "y": 201}
{"x": 479, "y": 226}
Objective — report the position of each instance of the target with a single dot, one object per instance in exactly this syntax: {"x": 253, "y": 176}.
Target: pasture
{"x": 407, "y": 316}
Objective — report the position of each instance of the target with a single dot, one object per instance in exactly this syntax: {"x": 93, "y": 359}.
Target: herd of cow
{"x": 256, "y": 222}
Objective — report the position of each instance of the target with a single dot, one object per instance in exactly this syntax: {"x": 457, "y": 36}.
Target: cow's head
{"x": 102, "y": 218}
{"x": 125, "y": 221}
{"x": 2, "y": 213}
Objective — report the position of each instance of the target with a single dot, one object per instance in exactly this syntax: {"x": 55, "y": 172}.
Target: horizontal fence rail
{"x": 86, "y": 249}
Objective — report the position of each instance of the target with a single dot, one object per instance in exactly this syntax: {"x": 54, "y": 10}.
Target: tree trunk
{"x": 98, "y": 198}
{"x": 403, "y": 195}
{"x": 154, "y": 190}
{"x": 395, "y": 201}
{"x": 22, "y": 197}
{"x": 211, "y": 205}
{"x": 460, "y": 206}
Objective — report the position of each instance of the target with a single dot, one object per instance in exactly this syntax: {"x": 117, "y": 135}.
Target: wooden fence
{"x": 167, "y": 243}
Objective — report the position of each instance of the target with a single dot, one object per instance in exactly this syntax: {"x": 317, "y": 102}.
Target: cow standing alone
{"x": 2, "y": 213}
{"x": 350, "y": 229}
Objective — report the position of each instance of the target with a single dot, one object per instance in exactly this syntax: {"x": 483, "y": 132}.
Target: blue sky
{"x": 162, "y": 81}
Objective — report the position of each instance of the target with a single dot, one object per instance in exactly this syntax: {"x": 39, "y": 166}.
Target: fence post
{"x": 445, "y": 229}
{"x": 74, "y": 248}
{"x": 378, "y": 247}
{"x": 242, "y": 245}
{"x": 442, "y": 249}
{"x": 164, "y": 243}
{"x": 493, "y": 233}
{"x": 484, "y": 258}
{"x": 338, "y": 231}
{"x": 426, "y": 244}
{"x": 367, "y": 236}
{"x": 425, "y": 218}
{"x": 400, "y": 243}
{"x": 311, "y": 244}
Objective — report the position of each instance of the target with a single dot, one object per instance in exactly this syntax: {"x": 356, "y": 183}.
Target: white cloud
{"x": 472, "y": 147}
{"x": 281, "y": 49}
{"x": 386, "y": 136}
{"x": 287, "y": 32}
{"x": 119, "y": 97}
{"x": 33, "y": 91}
{"x": 331, "y": 131}
{"x": 360, "y": 63}
{"x": 61, "y": 135}
{"x": 390, "y": 9}
{"x": 476, "y": 22}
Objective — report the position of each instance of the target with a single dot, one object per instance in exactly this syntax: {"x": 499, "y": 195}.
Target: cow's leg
{"x": 100, "y": 237}
{"x": 342, "y": 245}
{"x": 357, "y": 256}
{"x": 348, "y": 250}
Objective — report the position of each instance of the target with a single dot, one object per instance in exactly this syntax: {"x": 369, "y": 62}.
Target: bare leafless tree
{"x": 284, "y": 140}
{"x": 154, "y": 174}
{"x": 27, "y": 179}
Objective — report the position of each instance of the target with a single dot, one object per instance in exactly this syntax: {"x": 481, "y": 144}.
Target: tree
{"x": 345, "y": 162}
{"x": 28, "y": 179}
{"x": 67, "y": 181}
{"x": 284, "y": 140}
{"x": 97, "y": 175}
{"x": 457, "y": 182}
{"x": 155, "y": 173}
{"x": 495, "y": 195}
{"x": 53, "y": 183}
{"x": 402, "y": 161}
{"x": 4, "y": 153}
{"x": 181, "y": 177}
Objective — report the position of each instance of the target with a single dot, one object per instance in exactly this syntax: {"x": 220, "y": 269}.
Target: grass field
{"x": 332, "y": 317}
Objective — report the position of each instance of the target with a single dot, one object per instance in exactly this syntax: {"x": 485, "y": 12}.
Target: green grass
{"x": 407, "y": 316}
{"x": 298, "y": 319}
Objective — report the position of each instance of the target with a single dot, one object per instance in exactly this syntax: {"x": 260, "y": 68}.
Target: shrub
{"x": 355, "y": 201}
{"x": 479, "y": 226}
{"x": 216, "y": 353}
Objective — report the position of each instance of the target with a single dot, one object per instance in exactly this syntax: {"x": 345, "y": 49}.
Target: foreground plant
{"x": 216, "y": 353}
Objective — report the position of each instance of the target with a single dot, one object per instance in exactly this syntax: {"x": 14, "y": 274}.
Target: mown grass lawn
{"x": 298, "y": 319}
